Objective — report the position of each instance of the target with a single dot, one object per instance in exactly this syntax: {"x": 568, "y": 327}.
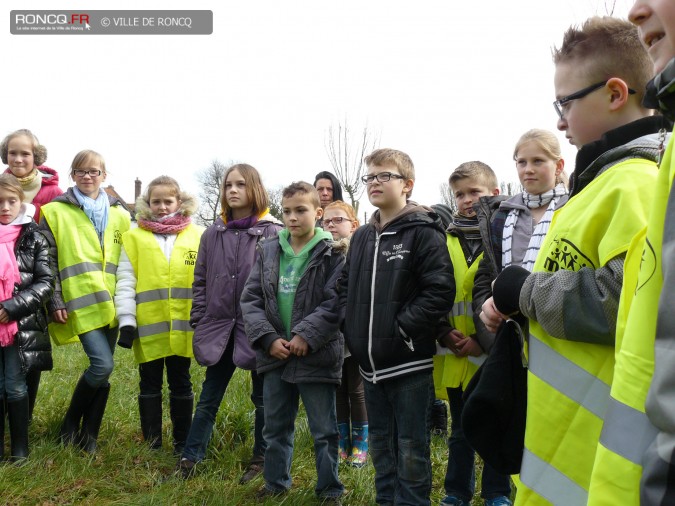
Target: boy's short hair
{"x": 475, "y": 170}
{"x": 39, "y": 151}
{"x": 11, "y": 184}
{"x": 349, "y": 210}
{"x": 399, "y": 159}
{"x": 607, "y": 47}
{"x": 303, "y": 188}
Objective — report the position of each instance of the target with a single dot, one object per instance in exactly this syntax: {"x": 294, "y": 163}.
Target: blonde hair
{"x": 349, "y": 210}
{"x": 548, "y": 143}
{"x": 11, "y": 184}
{"x": 39, "y": 151}
{"x": 303, "y": 188}
{"x": 386, "y": 156}
{"x": 607, "y": 47}
{"x": 255, "y": 191}
{"x": 84, "y": 157}
{"x": 477, "y": 171}
{"x": 162, "y": 181}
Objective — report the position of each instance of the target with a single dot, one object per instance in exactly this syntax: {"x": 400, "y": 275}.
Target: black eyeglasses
{"x": 335, "y": 221}
{"x": 382, "y": 177}
{"x": 561, "y": 106}
{"x": 91, "y": 172}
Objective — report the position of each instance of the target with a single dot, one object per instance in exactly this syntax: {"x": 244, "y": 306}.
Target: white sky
{"x": 444, "y": 81}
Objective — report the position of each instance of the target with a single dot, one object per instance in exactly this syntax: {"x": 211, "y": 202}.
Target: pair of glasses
{"x": 335, "y": 221}
{"x": 91, "y": 172}
{"x": 561, "y": 106}
{"x": 382, "y": 177}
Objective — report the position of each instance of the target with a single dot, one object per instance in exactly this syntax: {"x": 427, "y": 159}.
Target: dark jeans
{"x": 177, "y": 376}
{"x": 281, "y": 410}
{"x": 398, "y": 414}
{"x": 349, "y": 398}
{"x": 460, "y": 475}
{"x": 215, "y": 384}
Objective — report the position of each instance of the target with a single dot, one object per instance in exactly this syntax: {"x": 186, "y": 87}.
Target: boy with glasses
{"x": 572, "y": 295}
{"x": 396, "y": 287}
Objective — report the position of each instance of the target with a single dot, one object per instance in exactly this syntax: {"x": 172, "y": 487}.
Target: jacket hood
{"x": 49, "y": 176}
{"x": 412, "y": 213}
{"x": 188, "y": 206}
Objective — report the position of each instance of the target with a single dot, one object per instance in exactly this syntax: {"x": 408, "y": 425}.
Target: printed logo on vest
{"x": 647, "y": 265}
{"x": 567, "y": 256}
{"x": 396, "y": 252}
{"x": 117, "y": 237}
{"x": 190, "y": 257}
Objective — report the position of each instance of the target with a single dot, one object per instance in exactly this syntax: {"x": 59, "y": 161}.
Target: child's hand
{"x": 278, "y": 349}
{"x": 452, "y": 339}
{"x": 491, "y": 316}
{"x": 4, "y": 317}
{"x": 60, "y": 315}
{"x": 470, "y": 347}
{"x": 298, "y": 346}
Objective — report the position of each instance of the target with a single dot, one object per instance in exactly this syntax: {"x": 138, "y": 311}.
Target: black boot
{"x": 439, "y": 418}
{"x": 150, "y": 409}
{"x": 181, "y": 420}
{"x": 33, "y": 384}
{"x": 2, "y": 428}
{"x": 17, "y": 414}
{"x": 82, "y": 397}
{"x": 92, "y": 419}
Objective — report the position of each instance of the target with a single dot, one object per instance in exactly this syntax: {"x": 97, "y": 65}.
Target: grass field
{"x": 124, "y": 471}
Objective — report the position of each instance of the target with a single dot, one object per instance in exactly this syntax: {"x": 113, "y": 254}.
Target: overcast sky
{"x": 444, "y": 81}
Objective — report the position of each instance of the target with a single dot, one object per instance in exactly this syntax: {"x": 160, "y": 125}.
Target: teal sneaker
{"x": 502, "y": 500}
{"x": 453, "y": 500}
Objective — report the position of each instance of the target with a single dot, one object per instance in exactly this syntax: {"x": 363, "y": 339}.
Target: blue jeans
{"x": 99, "y": 345}
{"x": 398, "y": 414}
{"x": 460, "y": 475}
{"x": 12, "y": 378}
{"x": 281, "y": 408}
{"x": 215, "y": 384}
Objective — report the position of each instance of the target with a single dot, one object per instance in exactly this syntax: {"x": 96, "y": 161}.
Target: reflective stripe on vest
{"x": 628, "y": 432}
{"x": 569, "y": 380}
{"x": 451, "y": 371}
{"x": 86, "y": 271}
{"x": 549, "y": 483}
{"x": 163, "y": 293}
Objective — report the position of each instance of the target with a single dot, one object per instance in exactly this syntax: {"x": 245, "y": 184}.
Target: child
{"x": 340, "y": 220}
{"x": 571, "y": 297}
{"x": 460, "y": 352}
{"x": 153, "y": 299}
{"x": 26, "y": 283}
{"x": 227, "y": 252}
{"x": 25, "y": 156}
{"x": 641, "y": 450}
{"x": 84, "y": 227}
{"x": 291, "y": 315}
{"x": 396, "y": 287}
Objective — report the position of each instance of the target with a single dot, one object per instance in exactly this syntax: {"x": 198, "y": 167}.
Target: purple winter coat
{"x": 225, "y": 259}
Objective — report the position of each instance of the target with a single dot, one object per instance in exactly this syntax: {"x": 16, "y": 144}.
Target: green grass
{"x": 124, "y": 471}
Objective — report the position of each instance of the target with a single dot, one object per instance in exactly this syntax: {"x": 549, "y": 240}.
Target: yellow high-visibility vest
{"x": 86, "y": 271}
{"x": 569, "y": 380}
{"x": 163, "y": 292}
{"x": 451, "y": 371}
{"x": 627, "y": 431}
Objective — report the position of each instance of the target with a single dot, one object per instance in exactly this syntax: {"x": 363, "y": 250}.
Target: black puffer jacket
{"x": 396, "y": 286}
{"x": 27, "y": 305}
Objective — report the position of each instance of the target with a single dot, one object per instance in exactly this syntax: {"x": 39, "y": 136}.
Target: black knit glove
{"x": 127, "y": 336}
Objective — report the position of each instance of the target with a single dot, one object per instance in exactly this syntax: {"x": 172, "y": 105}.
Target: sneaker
{"x": 265, "y": 493}
{"x": 253, "y": 470}
{"x": 453, "y": 500}
{"x": 185, "y": 468}
{"x": 502, "y": 500}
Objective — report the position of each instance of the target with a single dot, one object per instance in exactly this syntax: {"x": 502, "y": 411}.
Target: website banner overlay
{"x": 118, "y": 22}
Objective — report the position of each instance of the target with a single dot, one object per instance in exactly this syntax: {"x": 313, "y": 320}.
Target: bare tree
{"x": 275, "y": 202}
{"x": 510, "y": 188}
{"x": 210, "y": 182}
{"x": 346, "y": 153}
